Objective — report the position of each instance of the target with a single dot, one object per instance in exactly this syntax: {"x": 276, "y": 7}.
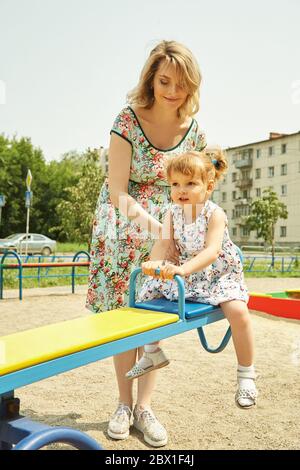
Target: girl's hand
{"x": 149, "y": 267}
{"x": 169, "y": 270}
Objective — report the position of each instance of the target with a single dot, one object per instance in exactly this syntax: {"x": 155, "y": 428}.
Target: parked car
{"x": 36, "y": 243}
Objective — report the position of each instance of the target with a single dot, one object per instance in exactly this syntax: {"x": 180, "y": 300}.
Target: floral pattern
{"x": 119, "y": 245}
{"x": 220, "y": 282}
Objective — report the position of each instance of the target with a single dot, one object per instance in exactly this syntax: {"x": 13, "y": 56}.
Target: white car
{"x": 36, "y": 243}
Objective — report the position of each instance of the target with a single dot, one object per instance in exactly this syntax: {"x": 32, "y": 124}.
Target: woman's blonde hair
{"x": 186, "y": 67}
{"x": 209, "y": 164}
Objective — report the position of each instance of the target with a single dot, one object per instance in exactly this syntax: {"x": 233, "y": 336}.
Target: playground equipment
{"x": 36, "y": 354}
{"x": 280, "y": 304}
{"x": 20, "y": 266}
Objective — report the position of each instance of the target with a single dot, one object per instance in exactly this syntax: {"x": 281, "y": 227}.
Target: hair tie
{"x": 216, "y": 163}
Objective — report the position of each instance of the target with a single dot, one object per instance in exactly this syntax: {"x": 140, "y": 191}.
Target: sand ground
{"x": 194, "y": 396}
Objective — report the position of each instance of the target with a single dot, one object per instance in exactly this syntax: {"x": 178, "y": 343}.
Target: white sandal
{"x": 157, "y": 361}
{"x": 246, "y": 397}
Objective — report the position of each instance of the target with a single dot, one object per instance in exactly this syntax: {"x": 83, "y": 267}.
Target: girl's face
{"x": 189, "y": 190}
{"x": 167, "y": 91}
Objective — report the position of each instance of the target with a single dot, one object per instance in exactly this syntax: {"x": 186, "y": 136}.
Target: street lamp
{"x": 28, "y": 199}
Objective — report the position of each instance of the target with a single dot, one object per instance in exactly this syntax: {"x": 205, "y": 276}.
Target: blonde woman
{"x": 157, "y": 124}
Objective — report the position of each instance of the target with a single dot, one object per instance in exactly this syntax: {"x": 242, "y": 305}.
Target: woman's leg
{"x": 123, "y": 362}
{"x": 146, "y": 385}
{"x": 144, "y": 419}
{"x": 119, "y": 424}
{"x": 237, "y": 313}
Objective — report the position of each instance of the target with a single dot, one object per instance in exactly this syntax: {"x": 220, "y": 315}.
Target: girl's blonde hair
{"x": 209, "y": 164}
{"x": 186, "y": 67}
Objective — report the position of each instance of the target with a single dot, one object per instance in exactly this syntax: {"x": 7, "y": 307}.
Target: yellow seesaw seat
{"x": 36, "y": 346}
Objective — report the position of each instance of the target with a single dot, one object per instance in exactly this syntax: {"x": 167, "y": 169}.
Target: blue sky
{"x": 66, "y": 66}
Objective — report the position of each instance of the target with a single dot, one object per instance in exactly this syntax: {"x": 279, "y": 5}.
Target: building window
{"x": 233, "y": 214}
{"x": 271, "y": 151}
{"x": 283, "y": 190}
{"x": 258, "y": 153}
{"x": 283, "y": 231}
{"x": 233, "y": 177}
{"x": 270, "y": 171}
{"x": 283, "y": 169}
{"x": 258, "y": 192}
{"x": 224, "y": 179}
{"x": 224, "y": 198}
{"x": 257, "y": 173}
{"x": 234, "y": 231}
{"x": 283, "y": 148}
{"x": 233, "y": 195}
{"x": 245, "y": 232}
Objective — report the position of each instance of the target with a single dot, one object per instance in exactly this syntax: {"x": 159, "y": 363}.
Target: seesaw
{"x": 280, "y": 304}
{"x": 29, "y": 356}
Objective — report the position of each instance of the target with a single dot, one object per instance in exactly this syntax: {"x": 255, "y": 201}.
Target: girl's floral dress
{"x": 118, "y": 244}
{"x": 219, "y": 282}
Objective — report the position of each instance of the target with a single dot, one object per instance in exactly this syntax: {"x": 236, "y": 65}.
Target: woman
{"x": 157, "y": 124}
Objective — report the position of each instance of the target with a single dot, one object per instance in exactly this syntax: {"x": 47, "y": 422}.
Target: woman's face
{"x": 167, "y": 91}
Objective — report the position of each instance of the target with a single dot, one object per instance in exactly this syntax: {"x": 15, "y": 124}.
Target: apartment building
{"x": 254, "y": 167}
{"x": 103, "y": 157}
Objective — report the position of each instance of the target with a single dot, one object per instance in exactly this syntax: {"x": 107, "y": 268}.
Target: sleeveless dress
{"x": 118, "y": 244}
{"x": 219, "y": 282}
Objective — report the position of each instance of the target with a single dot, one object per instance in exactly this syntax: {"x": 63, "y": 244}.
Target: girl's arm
{"x": 213, "y": 245}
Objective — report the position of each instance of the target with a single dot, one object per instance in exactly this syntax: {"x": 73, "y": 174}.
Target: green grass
{"x": 12, "y": 282}
{"x": 71, "y": 247}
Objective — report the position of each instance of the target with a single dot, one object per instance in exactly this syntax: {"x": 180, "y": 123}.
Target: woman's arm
{"x": 161, "y": 248}
{"x": 119, "y": 160}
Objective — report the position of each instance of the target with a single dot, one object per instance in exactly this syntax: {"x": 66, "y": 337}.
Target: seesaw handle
{"x": 181, "y": 291}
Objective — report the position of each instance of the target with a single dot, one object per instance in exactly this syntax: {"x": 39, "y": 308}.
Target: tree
{"x": 264, "y": 215}
{"x": 77, "y": 212}
{"x": 16, "y": 157}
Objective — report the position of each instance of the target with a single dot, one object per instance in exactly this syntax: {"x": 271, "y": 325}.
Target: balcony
{"x": 244, "y": 162}
{"x": 246, "y": 201}
{"x": 243, "y": 182}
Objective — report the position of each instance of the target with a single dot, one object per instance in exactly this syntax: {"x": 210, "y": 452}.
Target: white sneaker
{"x": 118, "y": 426}
{"x": 154, "y": 432}
{"x": 147, "y": 363}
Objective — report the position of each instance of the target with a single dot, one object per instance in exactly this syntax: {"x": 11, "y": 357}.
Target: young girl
{"x": 208, "y": 261}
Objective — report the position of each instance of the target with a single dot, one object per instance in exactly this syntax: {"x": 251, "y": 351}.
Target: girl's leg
{"x": 237, "y": 313}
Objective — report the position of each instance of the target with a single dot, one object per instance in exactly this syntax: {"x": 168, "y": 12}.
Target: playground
{"x": 194, "y": 397}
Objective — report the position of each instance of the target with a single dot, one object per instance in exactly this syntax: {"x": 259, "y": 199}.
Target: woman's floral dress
{"x": 118, "y": 244}
{"x": 219, "y": 282}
